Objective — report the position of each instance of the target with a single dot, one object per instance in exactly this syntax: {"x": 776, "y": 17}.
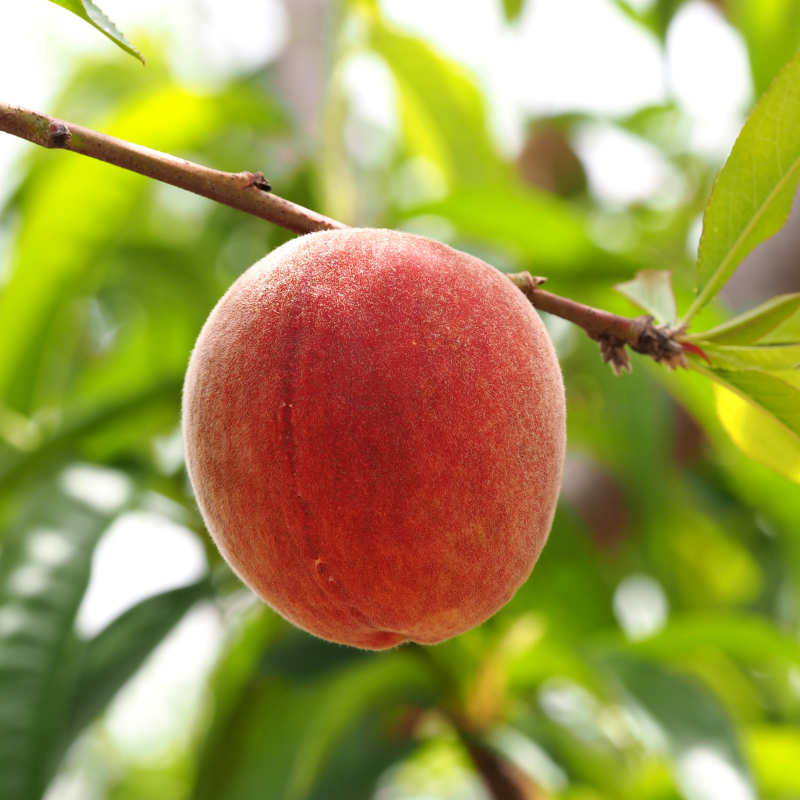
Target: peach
{"x": 374, "y": 427}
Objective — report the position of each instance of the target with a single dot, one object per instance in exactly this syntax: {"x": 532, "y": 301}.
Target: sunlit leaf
{"x": 44, "y": 572}
{"x": 773, "y": 753}
{"x": 651, "y": 290}
{"x": 754, "y": 325}
{"x": 85, "y": 202}
{"x": 754, "y": 192}
{"x": 444, "y": 114}
{"x": 757, "y": 433}
{"x": 89, "y": 12}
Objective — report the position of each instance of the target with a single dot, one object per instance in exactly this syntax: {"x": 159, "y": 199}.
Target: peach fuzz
{"x": 374, "y": 427}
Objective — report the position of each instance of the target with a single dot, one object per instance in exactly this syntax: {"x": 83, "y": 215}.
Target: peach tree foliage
{"x": 699, "y": 468}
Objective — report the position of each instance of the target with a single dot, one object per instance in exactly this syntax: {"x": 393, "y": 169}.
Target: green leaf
{"x": 761, "y": 413}
{"x": 694, "y": 724}
{"x": 651, "y": 290}
{"x": 513, "y": 9}
{"x": 113, "y": 656}
{"x": 769, "y": 357}
{"x": 89, "y": 12}
{"x": 754, "y": 192}
{"x": 753, "y": 325}
{"x": 44, "y": 571}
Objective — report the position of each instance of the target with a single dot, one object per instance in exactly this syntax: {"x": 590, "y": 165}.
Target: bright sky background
{"x": 565, "y": 55}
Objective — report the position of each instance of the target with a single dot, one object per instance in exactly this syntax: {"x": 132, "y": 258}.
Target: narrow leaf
{"x": 754, "y": 324}
{"x": 116, "y": 653}
{"x": 651, "y": 290}
{"x": 89, "y": 12}
{"x": 44, "y": 572}
{"x": 443, "y": 112}
{"x": 754, "y": 192}
{"x": 768, "y": 357}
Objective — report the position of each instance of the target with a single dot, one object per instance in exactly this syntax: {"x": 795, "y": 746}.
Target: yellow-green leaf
{"x": 756, "y": 432}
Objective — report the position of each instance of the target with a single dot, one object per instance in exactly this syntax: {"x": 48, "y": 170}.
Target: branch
{"x": 503, "y": 780}
{"x": 250, "y": 192}
{"x": 612, "y": 331}
{"x": 246, "y": 191}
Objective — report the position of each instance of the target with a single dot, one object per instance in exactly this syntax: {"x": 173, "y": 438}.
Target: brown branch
{"x": 503, "y": 780}
{"x": 251, "y": 193}
{"x": 612, "y": 331}
{"x": 246, "y": 191}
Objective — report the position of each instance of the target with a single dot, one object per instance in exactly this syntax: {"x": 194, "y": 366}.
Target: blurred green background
{"x": 654, "y": 652}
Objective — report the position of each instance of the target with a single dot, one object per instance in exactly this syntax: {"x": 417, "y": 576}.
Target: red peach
{"x": 375, "y": 427}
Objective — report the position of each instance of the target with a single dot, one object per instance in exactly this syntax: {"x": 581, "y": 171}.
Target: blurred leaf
{"x": 754, "y": 325}
{"x": 113, "y": 656}
{"x": 754, "y": 192}
{"x": 360, "y": 758}
{"x": 300, "y": 657}
{"x": 651, "y": 290}
{"x": 443, "y": 113}
{"x": 696, "y": 728}
{"x": 513, "y": 9}
{"x": 89, "y": 12}
{"x": 751, "y": 639}
{"x": 44, "y": 571}
{"x": 543, "y": 231}
{"x": 771, "y": 29}
{"x": 289, "y": 734}
{"x": 768, "y": 357}
{"x": 86, "y": 202}
{"x": 757, "y": 433}
{"x": 773, "y": 751}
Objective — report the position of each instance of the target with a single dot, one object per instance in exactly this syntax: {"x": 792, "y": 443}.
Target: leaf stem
{"x": 251, "y": 193}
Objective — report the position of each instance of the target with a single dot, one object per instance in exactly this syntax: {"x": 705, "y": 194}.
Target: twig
{"x": 612, "y": 331}
{"x": 250, "y": 192}
{"x": 245, "y": 191}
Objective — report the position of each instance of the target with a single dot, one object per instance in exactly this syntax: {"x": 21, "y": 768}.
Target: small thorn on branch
{"x": 58, "y": 135}
{"x": 258, "y": 180}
